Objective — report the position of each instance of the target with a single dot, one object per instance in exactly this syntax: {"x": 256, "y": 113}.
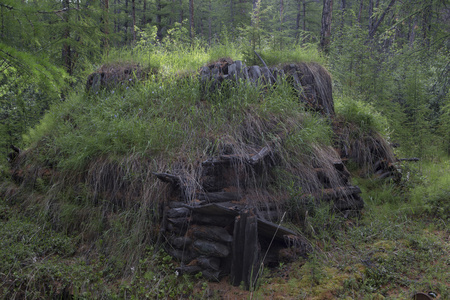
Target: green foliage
{"x": 360, "y": 114}
{"x": 430, "y": 197}
{"x": 155, "y": 277}
{"x": 305, "y": 53}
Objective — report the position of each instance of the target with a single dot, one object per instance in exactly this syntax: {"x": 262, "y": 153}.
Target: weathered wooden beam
{"x": 215, "y": 197}
{"x": 409, "y": 159}
{"x": 169, "y": 178}
{"x": 245, "y": 250}
{"x": 264, "y": 152}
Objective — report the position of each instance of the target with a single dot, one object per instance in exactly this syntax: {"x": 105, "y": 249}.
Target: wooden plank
{"x": 214, "y": 209}
{"x": 245, "y": 250}
{"x": 218, "y": 197}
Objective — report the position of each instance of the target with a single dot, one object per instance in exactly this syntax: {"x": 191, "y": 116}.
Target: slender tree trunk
{"x": 105, "y": 24}
{"x": 116, "y": 22}
{"x": 297, "y": 23}
{"x": 304, "y": 15}
{"x": 3, "y": 24}
{"x": 158, "y": 21}
{"x": 281, "y": 23}
{"x": 361, "y": 6}
{"x": 66, "y": 53}
{"x": 255, "y": 13}
{"x": 210, "y": 23}
{"x": 325, "y": 32}
{"x": 133, "y": 14}
{"x": 191, "y": 19}
{"x": 126, "y": 21}
{"x": 426, "y": 24}
{"x": 231, "y": 15}
{"x": 412, "y": 32}
{"x": 181, "y": 12}
{"x": 343, "y": 8}
{"x": 371, "y": 16}
{"x": 144, "y": 13}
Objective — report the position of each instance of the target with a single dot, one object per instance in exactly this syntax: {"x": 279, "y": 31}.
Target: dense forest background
{"x": 391, "y": 54}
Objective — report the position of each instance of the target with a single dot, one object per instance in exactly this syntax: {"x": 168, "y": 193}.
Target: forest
{"x": 141, "y": 141}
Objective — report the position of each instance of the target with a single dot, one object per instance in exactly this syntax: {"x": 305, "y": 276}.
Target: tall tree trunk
{"x": 371, "y": 16}
{"x": 66, "y": 52}
{"x": 297, "y": 23}
{"x": 426, "y": 24}
{"x": 304, "y": 15}
{"x": 210, "y": 23}
{"x": 116, "y": 22}
{"x": 126, "y": 21}
{"x": 144, "y": 13}
{"x": 255, "y": 13}
{"x": 3, "y": 24}
{"x": 343, "y": 8}
{"x": 325, "y": 32}
{"x": 181, "y": 12}
{"x": 361, "y": 6}
{"x": 105, "y": 24}
{"x": 231, "y": 15}
{"x": 133, "y": 14}
{"x": 158, "y": 21}
{"x": 191, "y": 19}
{"x": 412, "y": 31}
{"x": 281, "y": 23}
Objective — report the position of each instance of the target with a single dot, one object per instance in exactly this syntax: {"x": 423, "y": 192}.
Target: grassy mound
{"x": 88, "y": 174}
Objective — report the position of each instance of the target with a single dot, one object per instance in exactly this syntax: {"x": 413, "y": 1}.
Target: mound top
{"x": 311, "y": 81}
{"x": 113, "y": 74}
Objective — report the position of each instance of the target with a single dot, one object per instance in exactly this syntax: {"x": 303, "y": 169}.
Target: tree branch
{"x": 374, "y": 28}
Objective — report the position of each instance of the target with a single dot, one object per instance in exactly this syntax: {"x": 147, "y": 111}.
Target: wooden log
{"x": 385, "y": 175}
{"x": 176, "y": 230}
{"x": 181, "y": 242}
{"x": 215, "y": 209}
{"x": 184, "y": 256}
{"x": 353, "y": 202}
{"x": 211, "y": 275}
{"x": 266, "y": 77}
{"x": 178, "y": 212}
{"x": 333, "y": 193}
{"x": 209, "y": 248}
{"x": 264, "y": 63}
{"x": 409, "y": 159}
{"x": 215, "y": 197}
{"x": 188, "y": 270}
{"x": 169, "y": 178}
{"x": 212, "y": 263}
{"x": 257, "y": 158}
{"x": 179, "y": 222}
{"x": 254, "y": 73}
{"x": 270, "y": 230}
{"x": 211, "y": 233}
{"x": 216, "y": 220}
{"x": 176, "y": 204}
